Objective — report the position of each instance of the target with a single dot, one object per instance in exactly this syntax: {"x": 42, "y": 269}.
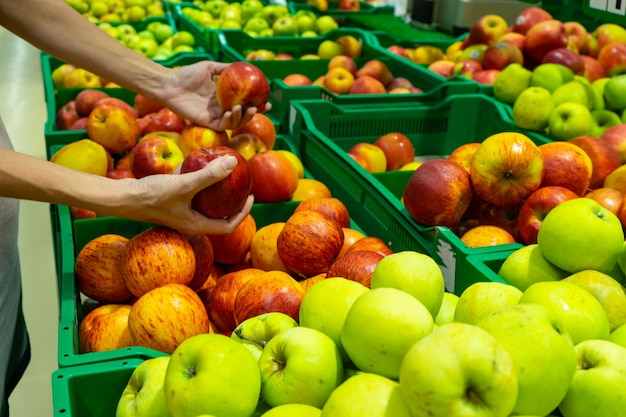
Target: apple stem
{"x": 238, "y": 332}
{"x": 473, "y": 397}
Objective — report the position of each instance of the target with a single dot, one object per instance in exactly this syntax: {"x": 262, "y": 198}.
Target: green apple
{"x": 325, "y": 23}
{"x": 602, "y": 120}
{"x": 232, "y": 12}
{"x": 574, "y": 91}
{"x": 249, "y": 8}
{"x": 143, "y": 396}
{"x": 255, "y": 332}
{"x": 99, "y": 8}
{"x": 285, "y": 26}
{"x": 146, "y": 46}
{"x": 599, "y": 385}
{"x": 446, "y": 311}
{"x": 550, "y": 76}
{"x": 607, "y": 290}
{"x": 135, "y": 14}
{"x": 619, "y": 335}
{"x": 414, "y": 273}
{"x": 532, "y": 108}
{"x": 580, "y": 234}
{"x": 272, "y": 12}
{"x": 325, "y": 305}
{"x": 615, "y": 92}
{"x": 569, "y": 120}
{"x": 255, "y": 24}
{"x": 366, "y": 395}
{"x": 305, "y": 23}
{"x": 146, "y": 34}
{"x": 305, "y": 12}
{"x": 511, "y": 81}
{"x": 309, "y": 34}
{"x": 266, "y": 32}
{"x": 205, "y": 19}
{"x": 483, "y": 298}
{"x": 599, "y": 85}
{"x": 183, "y": 37}
{"x": 542, "y": 351}
{"x": 126, "y": 30}
{"x": 527, "y": 265}
{"x": 575, "y": 308}
{"x": 161, "y": 30}
{"x": 300, "y": 365}
{"x": 381, "y": 326}
{"x": 212, "y": 374}
{"x": 329, "y": 48}
{"x": 231, "y": 24}
{"x": 215, "y": 7}
{"x": 459, "y": 370}
{"x": 293, "y": 410}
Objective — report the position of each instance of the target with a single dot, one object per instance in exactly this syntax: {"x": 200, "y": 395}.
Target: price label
{"x": 609, "y": 10}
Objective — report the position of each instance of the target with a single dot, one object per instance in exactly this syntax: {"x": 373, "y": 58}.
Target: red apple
{"x": 442, "y": 67}
{"x": 297, "y": 80}
{"x": 195, "y": 137}
{"x": 373, "y": 156}
{"x": 593, "y": 69}
{"x": 514, "y": 38}
{"x": 398, "y": 50}
{"x": 66, "y": 116}
{"x": 283, "y": 57}
{"x": 244, "y": 84}
{"x": 499, "y": 55}
{"x": 230, "y": 248}
{"x": 226, "y": 197}
{"x": 486, "y": 235}
{"x": 463, "y": 154}
{"x": 566, "y": 165}
{"x": 116, "y": 102}
{"x": 274, "y": 177}
{"x": 155, "y": 155}
{"x": 366, "y": 84}
{"x": 467, "y": 67}
{"x": 155, "y": 257}
{"x": 398, "y": 149}
{"x": 247, "y": 144}
{"x": 144, "y": 105}
{"x": 163, "y": 120}
{"x": 545, "y": 36}
{"x": 604, "y": 158}
{"x": 506, "y": 168}
{"x": 268, "y": 292}
{"x": 438, "y": 193}
{"x": 487, "y": 30}
{"x": 86, "y": 100}
{"x": 350, "y": 237}
{"x": 612, "y": 57}
{"x": 309, "y": 242}
{"x": 372, "y": 244}
{"x": 343, "y": 61}
{"x": 358, "y": 265}
{"x": 310, "y": 188}
{"x": 105, "y": 328}
{"x": 503, "y": 217}
{"x": 80, "y": 123}
{"x": 566, "y": 57}
{"x": 537, "y": 206}
{"x": 118, "y": 174}
{"x": 400, "y": 82}
{"x": 203, "y": 252}
{"x": 616, "y": 136}
{"x": 377, "y": 69}
{"x": 77, "y": 213}
{"x": 609, "y": 198}
{"x": 353, "y": 5}
{"x": 329, "y": 206}
{"x": 528, "y": 18}
{"x": 487, "y": 76}
{"x": 113, "y": 127}
{"x": 578, "y": 35}
{"x": 262, "y": 127}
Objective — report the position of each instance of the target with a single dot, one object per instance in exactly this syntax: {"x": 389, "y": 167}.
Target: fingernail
{"x": 229, "y": 162}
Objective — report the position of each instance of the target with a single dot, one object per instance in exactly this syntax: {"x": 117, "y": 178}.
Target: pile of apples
{"x": 258, "y": 19}
{"x": 343, "y": 45}
{"x": 107, "y": 11}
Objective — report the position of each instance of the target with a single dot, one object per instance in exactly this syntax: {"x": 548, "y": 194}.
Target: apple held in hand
{"x": 105, "y": 328}
{"x": 226, "y": 197}
{"x": 143, "y": 394}
{"x": 459, "y": 370}
{"x": 506, "y": 168}
{"x": 595, "y": 243}
{"x": 244, "y": 84}
{"x": 214, "y": 375}
{"x": 155, "y": 155}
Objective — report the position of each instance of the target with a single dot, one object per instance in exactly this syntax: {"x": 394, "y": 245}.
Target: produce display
{"x": 301, "y": 310}
{"x": 106, "y": 11}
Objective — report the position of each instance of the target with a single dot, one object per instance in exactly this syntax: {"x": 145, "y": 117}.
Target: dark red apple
{"x": 566, "y": 57}
{"x": 545, "y": 36}
{"x": 86, "y": 100}
{"x": 356, "y": 266}
{"x": 163, "y": 120}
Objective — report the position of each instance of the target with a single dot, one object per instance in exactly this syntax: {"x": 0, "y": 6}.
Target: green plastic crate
{"x": 395, "y": 27}
{"x": 91, "y": 390}
{"x": 324, "y": 131}
{"x": 487, "y": 265}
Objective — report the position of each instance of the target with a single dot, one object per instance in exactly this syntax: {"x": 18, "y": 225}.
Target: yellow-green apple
{"x": 246, "y": 144}
{"x": 565, "y": 56}
{"x": 297, "y": 80}
{"x": 593, "y": 68}
{"x": 212, "y": 374}
{"x": 616, "y": 179}
{"x": 195, "y": 137}
{"x": 328, "y": 48}
{"x": 550, "y": 76}
{"x": 83, "y": 155}
{"x": 614, "y": 88}
{"x": 569, "y": 120}
{"x": 96, "y": 269}
{"x": 59, "y": 73}
{"x": 528, "y": 17}
{"x": 370, "y": 243}
{"x": 295, "y": 160}
{"x": 500, "y": 54}
{"x": 309, "y": 242}
{"x": 352, "y": 46}
{"x": 285, "y": 26}
{"x": 343, "y": 61}
{"x": 268, "y": 292}
{"x": 325, "y": 306}
{"x": 532, "y": 108}
{"x": 512, "y": 80}
{"x": 325, "y": 24}
{"x": 526, "y": 265}
{"x": 157, "y": 256}
{"x": 377, "y": 69}
{"x": 329, "y": 206}
{"x": 414, "y": 273}
{"x": 163, "y": 120}
{"x": 604, "y": 158}
{"x": 487, "y": 30}
{"x": 293, "y": 410}
{"x": 164, "y": 317}
{"x": 262, "y": 127}
{"x": 229, "y": 248}
{"x": 155, "y": 155}
{"x": 608, "y": 291}
{"x": 616, "y": 136}
{"x": 380, "y": 327}
{"x": 463, "y": 154}
{"x": 598, "y": 384}
{"x": 244, "y": 84}
{"x": 274, "y": 177}
{"x": 446, "y": 311}
{"x": 596, "y": 243}
{"x": 506, "y": 168}
{"x": 300, "y": 365}
{"x": 338, "y": 80}
{"x": 442, "y": 67}
{"x": 426, "y": 54}
{"x": 535, "y": 208}
{"x": 225, "y": 197}
{"x": 143, "y": 105}
{"x": 143, "y": 395}
{"x": 356, "y": 265}
{"x": 438, "y": 193}
{"x": 483, "y": 298}
{"x": 255, "y": 332}
{"x": 366, "y": 394}
{"x": 114, "y": 128}
{"x": 81, "y": 78}
{"x": 609, "y": 198}
{"x": 605, "y": 34}
{"x": 574, "y": 91}
{"x": 486, "y": 235}
{"x": 398, "y": 149}
{"x": 576, "y": 309}
{"x": 223, "y": 298}
{"x": 263, "y": 252}
{"x": 366, "y": 84}
{"x": 372, "y": 154}
{"x": 66, "y": 116}
{"x": 603, "y": 119}
{"x": 105, "y": 328}
{"x": 86, "y": 99}
{"x": 260, "y": 55}
{"x": 543, "y": 37}
{"x": 619, "y": 335}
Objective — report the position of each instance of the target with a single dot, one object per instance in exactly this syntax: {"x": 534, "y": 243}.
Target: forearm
{"x": 46, "y": 24}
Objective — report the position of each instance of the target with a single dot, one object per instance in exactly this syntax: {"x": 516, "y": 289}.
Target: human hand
{"x": 190, "y": 92}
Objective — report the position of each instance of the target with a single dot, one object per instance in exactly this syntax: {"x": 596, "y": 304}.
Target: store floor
{"x": 23, "y": 110}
